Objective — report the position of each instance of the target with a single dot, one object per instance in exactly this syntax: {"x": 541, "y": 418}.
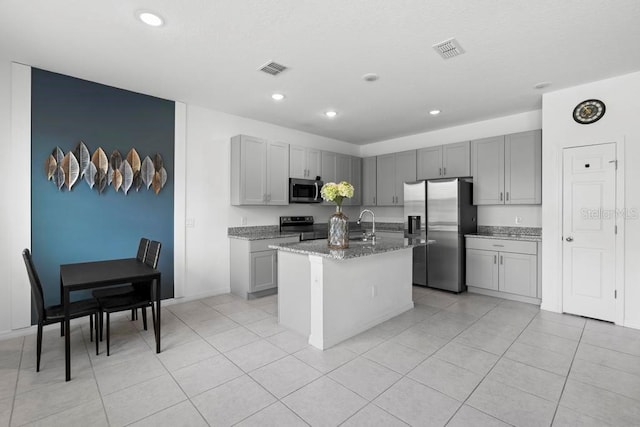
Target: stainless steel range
{"x": 303, "y": 225}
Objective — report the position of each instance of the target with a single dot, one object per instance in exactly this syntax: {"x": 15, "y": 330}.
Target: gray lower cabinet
{"x": 504, "y": 268}
{"x": 254, "y": 267}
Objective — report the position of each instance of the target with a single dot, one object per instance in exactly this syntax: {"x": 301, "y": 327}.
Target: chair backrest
{"x": 142, "y": 249}
{"x": 36, "y": 286}
{"x": 153, "y": 254}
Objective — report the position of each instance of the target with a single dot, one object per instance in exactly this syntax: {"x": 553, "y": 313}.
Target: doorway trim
{"x": 619, "y": 217}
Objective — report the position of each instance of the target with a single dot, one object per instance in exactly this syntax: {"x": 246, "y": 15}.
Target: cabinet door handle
{"x": 374, "y": 200}
{"x": 499, "y": 246}
{"x": 501, "y": 196}
{"x": 439, "y": 171}
{"x": 444, "y": 171}
{"x": 507, "y": 196}
{"x": 495, "y": 259}
{"x": 501, "y": 260}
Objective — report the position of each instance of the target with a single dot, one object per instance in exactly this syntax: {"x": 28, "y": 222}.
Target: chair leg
{"x": 39, "y": 347}
{"x": 101, "y": 325}
{"x": 96, "y": 327}
{"x": 144, "y": 318}
{"x": 133, "y": 314}
{"x": 108, "y": 322}
{"x": 91, "y": 328}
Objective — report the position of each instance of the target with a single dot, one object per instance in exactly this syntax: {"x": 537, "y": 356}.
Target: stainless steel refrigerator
{"x": 442, "y": 211}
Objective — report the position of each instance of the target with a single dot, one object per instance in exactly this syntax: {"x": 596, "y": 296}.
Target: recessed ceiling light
{"x": 331, "y": 114}
{"x": 150, "y": 18}
{"x": 434, "y": 112}
{"x": 277, "y": 97}
{"x": 541, "y": 85}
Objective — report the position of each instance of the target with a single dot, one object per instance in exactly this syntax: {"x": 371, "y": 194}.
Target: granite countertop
{"x": 259, "y": 232}
{"x": 530, "y": 234}
{"x": 262, "y": 232}
{"x": 357, "y": 248}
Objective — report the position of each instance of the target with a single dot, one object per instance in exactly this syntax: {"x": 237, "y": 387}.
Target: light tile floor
{"x": 455, "y": 360}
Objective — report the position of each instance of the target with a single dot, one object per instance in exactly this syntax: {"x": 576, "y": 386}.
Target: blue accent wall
{"x": 82, "y": 225}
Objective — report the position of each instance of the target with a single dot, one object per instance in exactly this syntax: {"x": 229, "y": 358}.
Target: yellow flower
{"x": 332, "y": 192}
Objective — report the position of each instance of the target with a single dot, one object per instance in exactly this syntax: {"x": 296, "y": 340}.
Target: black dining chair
{"x": 143, "y": 246}
{"x": 141, "y": 296}
{"x": 49, "y": 315}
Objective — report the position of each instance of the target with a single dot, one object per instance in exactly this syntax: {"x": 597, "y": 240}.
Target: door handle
{"x": 495, "y": 259}
{"x": 569, "y": 239}
{"x": 507, "y": 196}
{"x": 501, "y": 196}
{"x": 316, "y": 196}
{"x": 501, "y": 260}
{"x": 440, "y": 171}
{"x": 444, "y": 171}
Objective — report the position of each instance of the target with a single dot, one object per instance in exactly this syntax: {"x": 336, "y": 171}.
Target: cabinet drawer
{"x": 502, "y": 245}
{"x": 263, "y": 244}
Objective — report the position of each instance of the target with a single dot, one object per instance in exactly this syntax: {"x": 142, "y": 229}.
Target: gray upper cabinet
{"x": 507, "y": 169}
{"x": 304, "y": 163}
{"x": 342, "y": 167}
{"x": 369, "y": 181}
{"x": 444, "y": 161}
{"x": 259, "y": 171}
{"x": 393, "y": 170}
{"x": 523, "y": 168}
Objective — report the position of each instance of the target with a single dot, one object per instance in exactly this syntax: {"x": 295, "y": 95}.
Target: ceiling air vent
{"x": 272, "y": 68}
{"x": 448, "y": 48}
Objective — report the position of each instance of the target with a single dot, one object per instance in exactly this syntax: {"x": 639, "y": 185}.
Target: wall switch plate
{"x": 518, "y": 220}
{"x": 190, "y": 222}
{"x": 243, "y": 220}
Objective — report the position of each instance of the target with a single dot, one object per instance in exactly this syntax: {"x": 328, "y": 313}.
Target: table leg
{"x": 67, "y": 336}
{"x": 158, "y": 311}
{"x": 61, "y": 302}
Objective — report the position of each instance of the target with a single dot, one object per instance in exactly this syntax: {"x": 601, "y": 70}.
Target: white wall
{"x": 487, "y": 215}
{"x": 620, "y": 123}
{"x": 5, "y": 206}
{"x": 208, "y": 195}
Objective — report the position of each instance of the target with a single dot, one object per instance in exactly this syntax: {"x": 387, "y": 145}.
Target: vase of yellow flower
{"x": 338, "y": 230}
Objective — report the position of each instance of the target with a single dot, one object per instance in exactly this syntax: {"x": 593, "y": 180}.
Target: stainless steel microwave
{"x": 304, "y": 190}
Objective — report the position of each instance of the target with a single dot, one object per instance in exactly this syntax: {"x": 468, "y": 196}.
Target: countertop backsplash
{"x": 525, "y": 231}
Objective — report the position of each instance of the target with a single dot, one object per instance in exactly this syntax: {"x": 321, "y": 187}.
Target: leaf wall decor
{"x": 115, "y": 160}
{"x": 58, "y": 177}
{"x": 147, "y": 171}
{"x": 109, "y": 175}
{"x": 137, "y": 180}
{"x": 50, "y": 166}
{"x": 163, "y": 177}
{"x": 71, "y": 169}
{"x": 101, "y": 181}
{"x": 134, "y": 160}
{"x": 157, "y": 182}
{"x": 127, "y": 176}
{"x": 158, "y": 163}
{"x": 82, "y": 156}
{"x": 57, "y": 154}
{"x": 117, "y": 179}
{"x": 99, "y": 160}
{"x": 90, "y": 175}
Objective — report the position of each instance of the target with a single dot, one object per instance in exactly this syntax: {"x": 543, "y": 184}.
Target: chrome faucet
{"x": 365, "y": 235}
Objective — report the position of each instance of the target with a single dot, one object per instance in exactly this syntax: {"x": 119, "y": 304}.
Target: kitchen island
{"x": 332, "y": 295}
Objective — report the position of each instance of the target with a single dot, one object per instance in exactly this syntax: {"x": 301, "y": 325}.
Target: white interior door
{"x": 589, "y": 235}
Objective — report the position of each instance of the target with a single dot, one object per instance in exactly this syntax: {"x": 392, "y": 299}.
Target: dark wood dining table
{"x": 99, "y": 274}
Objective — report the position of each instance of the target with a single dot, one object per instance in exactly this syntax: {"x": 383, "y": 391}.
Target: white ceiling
{"x": 209, "y": 51}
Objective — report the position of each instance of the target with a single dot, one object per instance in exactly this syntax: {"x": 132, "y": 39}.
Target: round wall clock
{"x": 589, "y": 111}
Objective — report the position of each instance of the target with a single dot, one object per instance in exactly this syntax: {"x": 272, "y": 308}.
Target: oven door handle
{"x": 316, "y": 197}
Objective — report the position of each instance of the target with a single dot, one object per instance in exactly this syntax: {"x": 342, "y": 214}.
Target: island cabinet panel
{"x": 392, "y": 171}
{"x": 259, "y": 171}
{"x": 304, "y": 163}
{"x": 507, "y": 268}
{"x": 369, "y": 187}
{"x": 507, "y": 169}
{"x": 254, "y": 267}
{"x": 444, "y": 161}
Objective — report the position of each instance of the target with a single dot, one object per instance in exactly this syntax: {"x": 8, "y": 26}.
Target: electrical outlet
{"x": 243, "y": 220}
{"x": 190, "y": 222}
{"x": 518, "y": 220}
